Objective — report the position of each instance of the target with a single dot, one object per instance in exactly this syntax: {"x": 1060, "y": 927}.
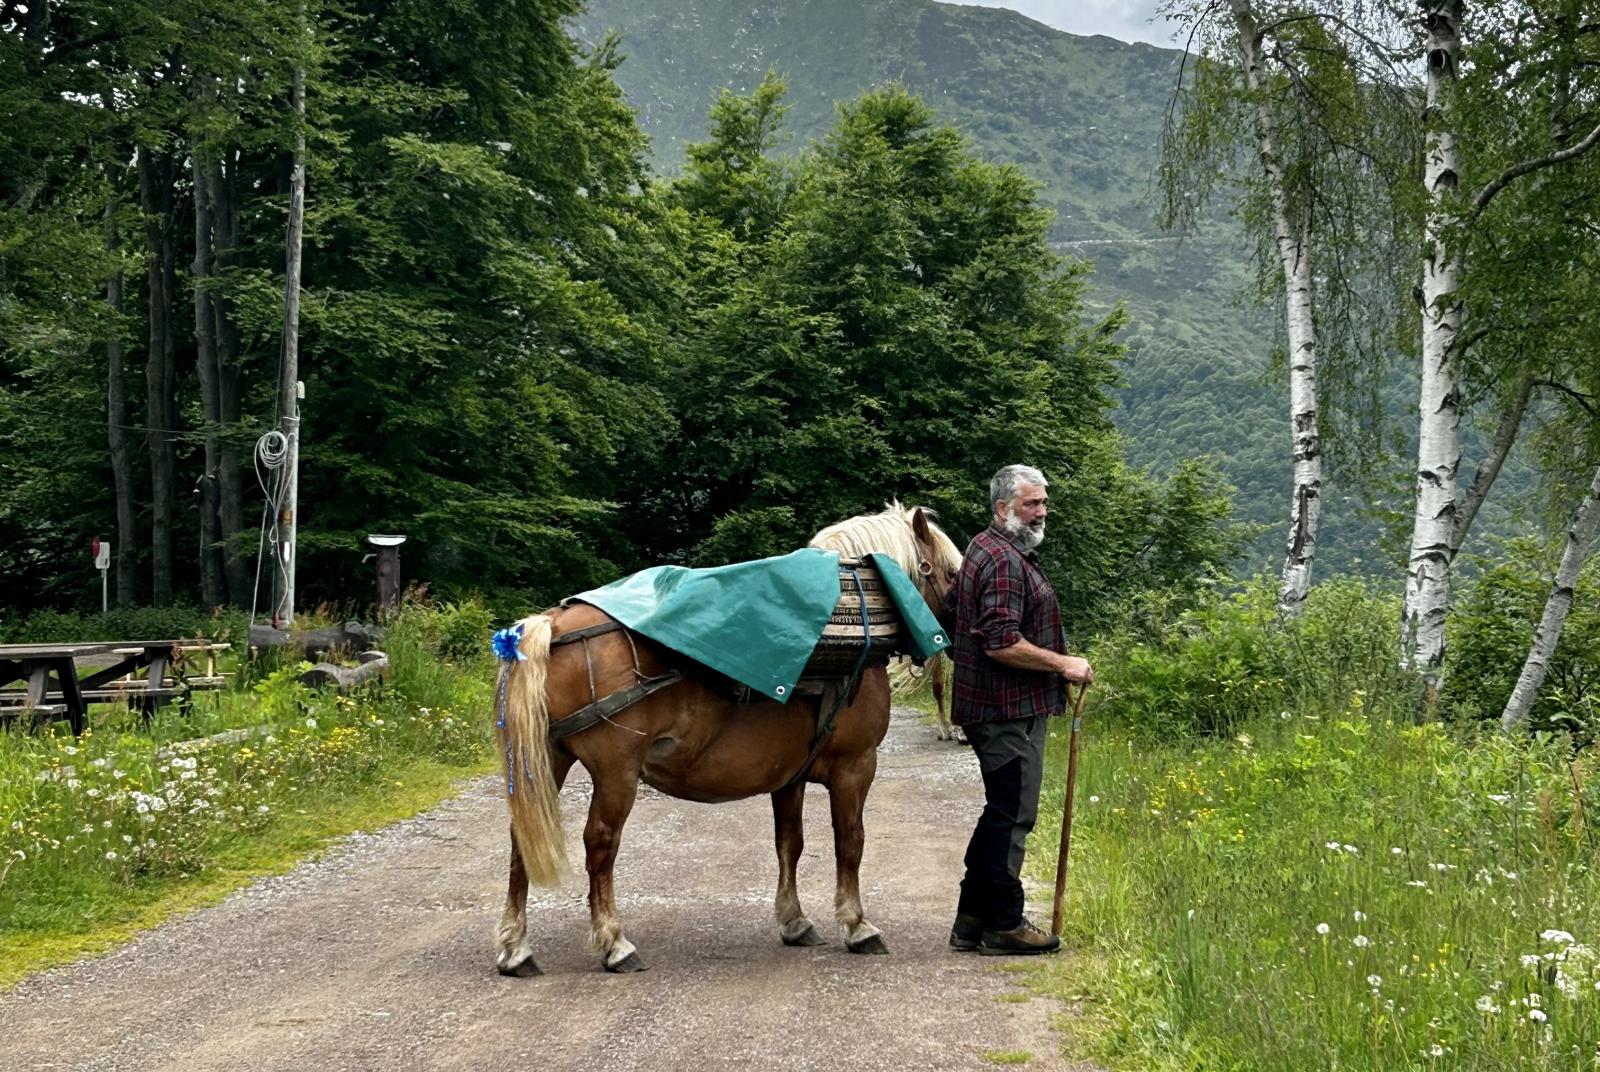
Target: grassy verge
{"x": 103, "y": 835}
{"x": 1329, "y": 893}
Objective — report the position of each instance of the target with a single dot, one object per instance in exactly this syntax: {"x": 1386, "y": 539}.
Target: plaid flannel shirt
{"x": 1001, "y": 596}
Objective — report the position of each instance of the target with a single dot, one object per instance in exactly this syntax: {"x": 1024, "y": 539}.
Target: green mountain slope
{"x": 1083, "y": 116}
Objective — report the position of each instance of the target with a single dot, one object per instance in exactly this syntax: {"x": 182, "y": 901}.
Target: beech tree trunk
{"x": 236, "y": 549}
{"x": 1580, "y": 539}
{"x": 1427, "y": 598}
{"x": 158, "y": 373}
{"x": 1294, "y": 259}
{"x": 212, "y": 590}
{"x": 125, "y": 551}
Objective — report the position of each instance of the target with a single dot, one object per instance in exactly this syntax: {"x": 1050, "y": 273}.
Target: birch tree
{"x": 1289, "y": 86}
{"x": 1580, "y": 541}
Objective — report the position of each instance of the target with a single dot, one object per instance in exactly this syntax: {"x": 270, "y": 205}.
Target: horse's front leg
{"x": 613, "y": 799}
{"x": 847, "y": 795}
{"x": 787, "y": 807}
{"x": 936, "y": 679}
{"x": 516, "y": 951}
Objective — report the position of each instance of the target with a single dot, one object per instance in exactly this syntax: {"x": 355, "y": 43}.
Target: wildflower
{"x": 1436, "y": 1050}
{"x": 119, "y": 774}
{"x": 1441, "y": 868}
{"x": 1093, "y": 799}
{"x": 311, "y": 723}
{"x": 1374, "y": 981}
{"x": 1322, "y": 928}
{"x": 1530, "y": 960}
{"x": 142, "y": 808}
{"x": 1360, "y": 941}
{"x": 1418, "y": 883}
{"x": 127, "y": 839}
{"x": 1333, "y": 845}
{"x": 1360, "y": 916}
{"x": 1395, "y": 850}
{"x": 1557, "y": 936}
{"x": 1485, "y": 1004}
{"x": 262, "y": 809}
{"x": 1537, "y": 1016}
{"x": 1499, "y": 798}
{"x": 1352, "y": 850}
{"x": 111, "y": 854}
{"x": 19, "y": 854}
{"x": 100, "y": 763}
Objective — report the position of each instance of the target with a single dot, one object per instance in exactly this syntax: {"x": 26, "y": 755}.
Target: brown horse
{"x": 691, "y": 740}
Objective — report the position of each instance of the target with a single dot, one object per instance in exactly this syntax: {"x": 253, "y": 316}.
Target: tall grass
{"x": 1326, "y": 882}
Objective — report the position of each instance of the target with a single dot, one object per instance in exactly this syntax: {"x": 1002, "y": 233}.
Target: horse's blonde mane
{"x": 887, "y": 532}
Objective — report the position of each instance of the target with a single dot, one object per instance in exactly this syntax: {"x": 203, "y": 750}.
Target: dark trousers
{"x": 1011, "y": 758}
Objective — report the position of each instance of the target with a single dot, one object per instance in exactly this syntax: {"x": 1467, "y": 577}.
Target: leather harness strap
{"x": 601, "y": 710}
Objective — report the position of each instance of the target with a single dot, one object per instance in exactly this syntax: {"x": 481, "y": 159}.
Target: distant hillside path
{"x": 380, "y": 955}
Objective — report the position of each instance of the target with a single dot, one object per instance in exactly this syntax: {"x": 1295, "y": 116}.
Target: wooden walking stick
{"x": 1066, "y": 816}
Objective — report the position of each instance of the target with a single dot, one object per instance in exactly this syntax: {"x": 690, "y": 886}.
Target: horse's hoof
{"x": 627, "y": 965}
{"x": 871, "y": 944}
{"x": 523, "y": 969}
{"x": 809, "y": 936}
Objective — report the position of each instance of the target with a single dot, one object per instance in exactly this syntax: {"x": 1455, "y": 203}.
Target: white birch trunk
{"x": 1294, "y": 260}
{"x": 1580, "y": 539}
{"x": 1427, "y": 598}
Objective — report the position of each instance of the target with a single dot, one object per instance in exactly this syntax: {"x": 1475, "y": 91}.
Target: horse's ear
{"x": 919, "y": 525}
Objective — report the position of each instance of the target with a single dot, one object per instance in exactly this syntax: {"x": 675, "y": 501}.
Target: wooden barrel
{"x": 845, "y": 635}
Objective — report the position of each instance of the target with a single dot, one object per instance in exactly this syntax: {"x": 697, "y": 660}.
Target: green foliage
{"x": 1492, "y": 628}
{"x": 1179, "y": 665}
{"x": 130, "y": 623}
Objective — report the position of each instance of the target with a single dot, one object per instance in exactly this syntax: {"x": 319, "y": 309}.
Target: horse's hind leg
{"x": 787, "y": 807}
{"x": 516, "y": 951}
{"x": 613, "y": 800}
{"x": 847, "y": 796}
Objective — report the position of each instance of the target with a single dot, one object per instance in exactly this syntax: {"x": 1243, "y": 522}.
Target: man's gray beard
{"x": 1024, "y": 536}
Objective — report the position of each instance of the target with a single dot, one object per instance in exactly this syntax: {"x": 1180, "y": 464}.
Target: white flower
{"x": 119, "y": 774}
{"x": 1436, "y": 1050}
{"x": 111, "y": 854}
{"x": 70, "y": 750}
{"x": 1395, "y": 850}
{"x": 1094, "y": 799}
{"x": 1352, "y": 850}
{"x": 1486, "y": 1004}
{"x": 262, "y": 809}
{"x": 1374, "y": 981}
{"x": 311, "y": 723}
{"x": 1530, "y": 960}
{"x": 1499, "y": 798}
{"x": 19, "y": 854}
{"x": 142, "y": 808}
{"x": 1322, "y": 928}
{"x": 1557, "y": 936}
{"x": 1418, "y": 883}
{"x": 1441, "y": 868}
{"x": 101, "y": 762}
{"x": 1334, "y": 845}
{"x": 127, "y": 839}
{"x": 1360, "y": 916}
{"x": 1537, "y": 1016}
{"x": 185, "y": 776}
{"x": 1360, "y": 941}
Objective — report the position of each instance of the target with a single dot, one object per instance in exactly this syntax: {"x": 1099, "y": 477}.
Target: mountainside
{"x": 1083, "y": 116}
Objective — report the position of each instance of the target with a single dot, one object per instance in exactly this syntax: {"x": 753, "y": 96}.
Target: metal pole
{"x": 103, "y": 606}
{"x": 1066, "y": 817}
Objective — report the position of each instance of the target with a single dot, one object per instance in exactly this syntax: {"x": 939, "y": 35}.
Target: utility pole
{"x": 289, "y": 388}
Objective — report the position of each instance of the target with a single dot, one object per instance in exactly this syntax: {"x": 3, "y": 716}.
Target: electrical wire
{"x": 271, "y": 455}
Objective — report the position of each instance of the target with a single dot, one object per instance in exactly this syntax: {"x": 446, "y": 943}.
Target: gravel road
{"x": 380, "y": 954}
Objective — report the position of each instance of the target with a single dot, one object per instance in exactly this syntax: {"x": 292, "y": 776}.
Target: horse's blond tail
{"x": 523, "y": 719}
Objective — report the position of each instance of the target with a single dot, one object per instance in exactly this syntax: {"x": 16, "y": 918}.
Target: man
{"x": 1011, "y": 674}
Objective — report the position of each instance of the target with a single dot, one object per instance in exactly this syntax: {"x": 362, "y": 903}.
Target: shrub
{"x": 1490, "y": 631}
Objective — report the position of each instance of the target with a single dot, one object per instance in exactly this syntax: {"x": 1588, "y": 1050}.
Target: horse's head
{"x": 909, "y": 536}
{"x": 938, "y": 560}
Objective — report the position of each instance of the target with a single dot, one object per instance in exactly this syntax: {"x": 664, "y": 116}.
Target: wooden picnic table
{"x": 36, "y": 663}
{"x": 113, "y": 677}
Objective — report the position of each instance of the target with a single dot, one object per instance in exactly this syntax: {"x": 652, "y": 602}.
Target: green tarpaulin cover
{"x": 756, "y": 621}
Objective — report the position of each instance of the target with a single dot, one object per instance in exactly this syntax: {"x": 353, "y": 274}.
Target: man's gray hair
{"x": 1003, "y": 485}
